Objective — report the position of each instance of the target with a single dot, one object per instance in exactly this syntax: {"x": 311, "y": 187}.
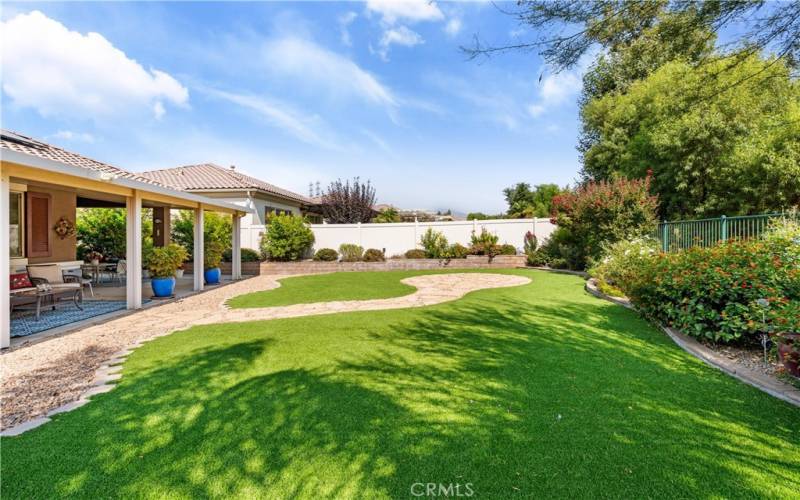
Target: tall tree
{"x": 526, "y": 202}
{"x": 735, "y": 153}
{"x": 345, "y": 203}
{"x": 568, "y": 29}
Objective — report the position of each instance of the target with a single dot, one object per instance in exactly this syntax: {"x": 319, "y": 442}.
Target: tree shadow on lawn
{"x": 555, "y": 400}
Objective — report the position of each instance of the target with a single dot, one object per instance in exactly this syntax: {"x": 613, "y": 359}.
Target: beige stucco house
{"x": 42, "y": 185}
{"x": 260, "y": 199}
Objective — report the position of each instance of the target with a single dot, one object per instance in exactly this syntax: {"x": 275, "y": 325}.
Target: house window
{"x": 16, "y": 225}
{"x": 273, "y": 211}
{"x": 38, "y": 221}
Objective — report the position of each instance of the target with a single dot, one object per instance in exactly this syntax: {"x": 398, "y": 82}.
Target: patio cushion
{"x": 51, "y": 273}
{"x": 20, "y": 280}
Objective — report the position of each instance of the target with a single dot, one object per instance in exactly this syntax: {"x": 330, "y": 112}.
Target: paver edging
{"x": 775, "y": 388}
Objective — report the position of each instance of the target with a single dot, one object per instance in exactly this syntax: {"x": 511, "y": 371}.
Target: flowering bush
{"x": 621, "y": 262}
{"x": 714, "y": 292}
{"x": 600, "y": 213}
{"x": 484, "y": 243}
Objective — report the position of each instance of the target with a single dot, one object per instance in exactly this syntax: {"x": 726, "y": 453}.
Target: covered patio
{"x": 41, "y": 188}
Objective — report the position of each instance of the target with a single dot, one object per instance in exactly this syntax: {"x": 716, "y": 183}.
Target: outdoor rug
{"x": 24, "y": 323}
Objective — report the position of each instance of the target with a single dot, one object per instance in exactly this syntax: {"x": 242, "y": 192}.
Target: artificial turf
{"x": 538, "y": 391}
{"x": 330, "y": 287}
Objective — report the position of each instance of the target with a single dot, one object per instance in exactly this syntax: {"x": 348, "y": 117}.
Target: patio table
{"x": 34, "y": 300}
{"x": 96, "y": 270}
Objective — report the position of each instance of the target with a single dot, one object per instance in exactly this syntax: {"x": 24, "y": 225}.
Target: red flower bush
{"x": 714, "y": 292}
{"x": 601, "y": 213}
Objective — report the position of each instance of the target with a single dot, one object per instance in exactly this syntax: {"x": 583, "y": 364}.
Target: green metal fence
{"x": 678, "y": 235}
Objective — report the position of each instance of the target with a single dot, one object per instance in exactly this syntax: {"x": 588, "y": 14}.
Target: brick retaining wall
{"x": 310, "y": 266}
{"x": 473, "y": 262}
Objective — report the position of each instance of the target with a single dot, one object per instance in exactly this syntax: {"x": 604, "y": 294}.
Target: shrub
{"x": 537, "y": 258}
{"x": 484, "y": 243}
{"x": 530, "y": 243}
{"x": 351, "y": 252}
{"x": 212, "y": 254}
{"x": 435, "y": 244}
{"x": 415, "y": 253}
{"x": 248, "y": 255}
{"x": 714, "y": 292}
{"x": 216, "y": 226}
{"x": 601, "y": 213}
{"x": 373, "y": 255}
{"x": 164, "y": 261}
{"x": 326, "y": 255}
{"x": 508, "y": 249}
{"x": 288, "y": 237}
{"x": 621, "y": 262}
{"x": 458, "y": 251}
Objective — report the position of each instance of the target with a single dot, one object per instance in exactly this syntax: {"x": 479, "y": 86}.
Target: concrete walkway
{"x": 40, "y": 377}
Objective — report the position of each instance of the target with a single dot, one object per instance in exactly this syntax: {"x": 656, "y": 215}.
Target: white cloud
{"x": 378, "y": 140}
{"x": 306, "y": 128}
{"x": 559, "y": 88}
{"x": 398, "y": 36}
{"x": 314, "y": 65}
{"x": 487, "y": 104}
{"x": 410, "y": 10}
{"x": 536, "y": 110}
{"x": 69, "y": 135}
{"x": 453, "y": 27}
{"x": 345, "y": 20}
{"x": 61, "y": 72}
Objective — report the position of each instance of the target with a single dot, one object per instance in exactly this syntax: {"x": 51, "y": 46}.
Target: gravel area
{"x": 752, "y": 358}
{"x": 39, "y": 377}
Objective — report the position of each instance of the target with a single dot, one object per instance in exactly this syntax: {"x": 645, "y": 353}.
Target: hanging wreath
{"x": 64, "y": 228}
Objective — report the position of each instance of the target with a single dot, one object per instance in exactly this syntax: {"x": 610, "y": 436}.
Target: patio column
{"x": 5, "y": 261}
{"x": 236, "y": 248}
{"x": 198, "y": 248}
{"x": 133, "y": 256}
{"x": 161, "y": 226}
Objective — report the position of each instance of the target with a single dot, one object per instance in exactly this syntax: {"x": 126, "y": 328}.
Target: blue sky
{"x": 295, "y": 92}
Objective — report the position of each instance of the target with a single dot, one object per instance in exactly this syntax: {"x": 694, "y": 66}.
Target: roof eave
{"x": 85, "y": 173}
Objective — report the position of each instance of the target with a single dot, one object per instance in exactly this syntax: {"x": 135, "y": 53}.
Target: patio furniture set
{"x": 50, "y": 286}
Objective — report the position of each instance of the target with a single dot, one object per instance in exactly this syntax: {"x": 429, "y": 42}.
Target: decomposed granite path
{"x": 40, "y": 377}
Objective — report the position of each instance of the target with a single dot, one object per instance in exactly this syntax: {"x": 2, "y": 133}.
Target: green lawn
{"x": 333, "y": 286}
{"x": 533, "y": 391}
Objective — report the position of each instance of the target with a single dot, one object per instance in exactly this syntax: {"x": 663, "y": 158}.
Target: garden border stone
{"x": 775, "y": 388}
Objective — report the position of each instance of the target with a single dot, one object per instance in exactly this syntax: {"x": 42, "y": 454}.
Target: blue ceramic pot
{"x": 163, "y": 287}
{"x": 212, "y": 275}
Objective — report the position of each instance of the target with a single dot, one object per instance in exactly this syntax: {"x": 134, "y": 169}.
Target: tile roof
{"x": 207, "y": 176}
{"x": 14, "y": 141}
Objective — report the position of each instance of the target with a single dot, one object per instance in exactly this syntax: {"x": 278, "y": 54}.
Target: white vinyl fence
{"x": 397, "y": 238}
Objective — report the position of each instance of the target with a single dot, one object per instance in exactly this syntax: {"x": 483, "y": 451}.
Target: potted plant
{"x": 162, "y": 272}
{"x": 94, "y": 257}
{"x": 180, "y": 255}
{"x": 162, "y": 264}
{"x": 211, "y": 259}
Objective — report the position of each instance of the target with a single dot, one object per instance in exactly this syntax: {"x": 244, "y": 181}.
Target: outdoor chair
{"x": 118, "y": 272}
{"x": 85, "y": 281}
{"x": 52, "y": 275}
